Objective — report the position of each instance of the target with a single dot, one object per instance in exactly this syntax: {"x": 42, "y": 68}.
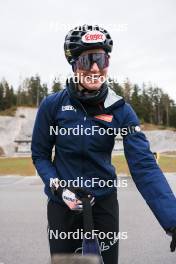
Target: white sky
{"x": 144, "y": 33}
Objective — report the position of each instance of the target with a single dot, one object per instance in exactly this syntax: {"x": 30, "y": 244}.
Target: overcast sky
{"x": 144, "y": 33}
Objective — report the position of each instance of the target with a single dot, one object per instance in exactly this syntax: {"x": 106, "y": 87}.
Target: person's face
{"x": 92, "y": 79}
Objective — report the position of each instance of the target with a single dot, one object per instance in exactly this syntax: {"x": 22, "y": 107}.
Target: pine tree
{"x": 127, "y": 90}
{"x": 56, "y": 86}
{"x": 172, "y": 114}
{"x": 116, "y": 87}
{"x": 146, "y": 106}
{"x": 1, "y": 97}
{"x": 136, "y": 100}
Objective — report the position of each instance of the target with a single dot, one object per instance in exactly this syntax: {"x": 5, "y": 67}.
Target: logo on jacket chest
{"x": 105, "y": 117}
{"x": 68, "y": 108}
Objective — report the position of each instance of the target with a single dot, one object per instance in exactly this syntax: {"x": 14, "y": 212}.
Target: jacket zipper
{"x": 83, "y": 141}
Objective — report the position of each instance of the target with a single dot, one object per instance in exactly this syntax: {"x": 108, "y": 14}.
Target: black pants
{"x": 61, "y": 220}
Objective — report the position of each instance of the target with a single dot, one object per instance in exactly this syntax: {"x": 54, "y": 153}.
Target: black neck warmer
{"x": 86, "y": 97}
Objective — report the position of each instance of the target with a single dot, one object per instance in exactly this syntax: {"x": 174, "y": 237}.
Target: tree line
{"x": 151, "y": 103}
{"x": 30, "y": 93}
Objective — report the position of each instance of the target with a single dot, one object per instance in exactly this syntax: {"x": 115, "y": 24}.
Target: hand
{"x": 72, "y": 196}
{"x": 82, "y": 193}
{"x": 71, "y": 200}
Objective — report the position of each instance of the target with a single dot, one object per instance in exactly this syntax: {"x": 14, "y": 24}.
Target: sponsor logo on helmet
{"x": 93, "y": 37}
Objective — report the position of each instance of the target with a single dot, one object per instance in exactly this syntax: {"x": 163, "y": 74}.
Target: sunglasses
{"x": 85, "y": 62}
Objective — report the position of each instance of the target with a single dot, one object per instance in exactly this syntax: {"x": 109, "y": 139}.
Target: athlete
{"x": 87, "y": 105}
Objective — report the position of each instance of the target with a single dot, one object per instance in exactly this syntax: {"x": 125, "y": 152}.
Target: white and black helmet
{"x": 84, "y": 38}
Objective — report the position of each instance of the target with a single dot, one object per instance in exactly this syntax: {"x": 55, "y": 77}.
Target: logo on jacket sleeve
{"x": 137, "y": 128}
{"x": 93, "y": 37}
{"x": 105, "y": 117}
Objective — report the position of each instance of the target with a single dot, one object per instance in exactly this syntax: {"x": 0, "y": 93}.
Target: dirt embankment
{"x": 14, "y": 128}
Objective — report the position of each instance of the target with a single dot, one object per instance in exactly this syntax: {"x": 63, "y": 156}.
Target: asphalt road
{"x": 23, "y": 226}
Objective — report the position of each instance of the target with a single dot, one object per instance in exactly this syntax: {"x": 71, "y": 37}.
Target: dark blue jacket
{"x": 90, "y": 156}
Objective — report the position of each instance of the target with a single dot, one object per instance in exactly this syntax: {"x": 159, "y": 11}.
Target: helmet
{"x": 84, "y": 38}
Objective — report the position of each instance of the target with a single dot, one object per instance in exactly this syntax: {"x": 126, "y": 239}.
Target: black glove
{"x": 173, "y": 242}
{"x": 172, "y": 232}
{"x": 81, "y": 193}
{"x": 72, "y": 196}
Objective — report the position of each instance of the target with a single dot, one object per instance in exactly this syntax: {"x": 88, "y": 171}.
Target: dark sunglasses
{"x": 85, "y": 62}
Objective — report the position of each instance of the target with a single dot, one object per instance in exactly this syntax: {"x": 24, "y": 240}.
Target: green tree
{"x": 146, "y": 106}
{"x": 7, "y": 95}
{"x": 172, "y": 114}
{"x": 127, "y": 90}
{"x": 165, "y": 102}
{"x": 116, "y": 87}
{"x": 1, "y": 97}
{"x": 34, "y": 91}
{"x": 56, "y": 86}
{"x": 43, "y": 91}
{"x": 136, "y": 100}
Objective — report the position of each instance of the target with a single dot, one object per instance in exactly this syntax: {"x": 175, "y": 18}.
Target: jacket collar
{"x": 111, "y": 98}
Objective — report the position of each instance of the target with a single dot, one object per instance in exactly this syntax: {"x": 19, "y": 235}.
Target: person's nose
{"x": 94, "y": 67}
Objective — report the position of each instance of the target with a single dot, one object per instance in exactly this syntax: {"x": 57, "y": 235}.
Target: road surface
{"x": 23, "y": 226}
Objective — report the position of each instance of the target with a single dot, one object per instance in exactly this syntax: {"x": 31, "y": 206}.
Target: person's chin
{"x": 93, "y": 86}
